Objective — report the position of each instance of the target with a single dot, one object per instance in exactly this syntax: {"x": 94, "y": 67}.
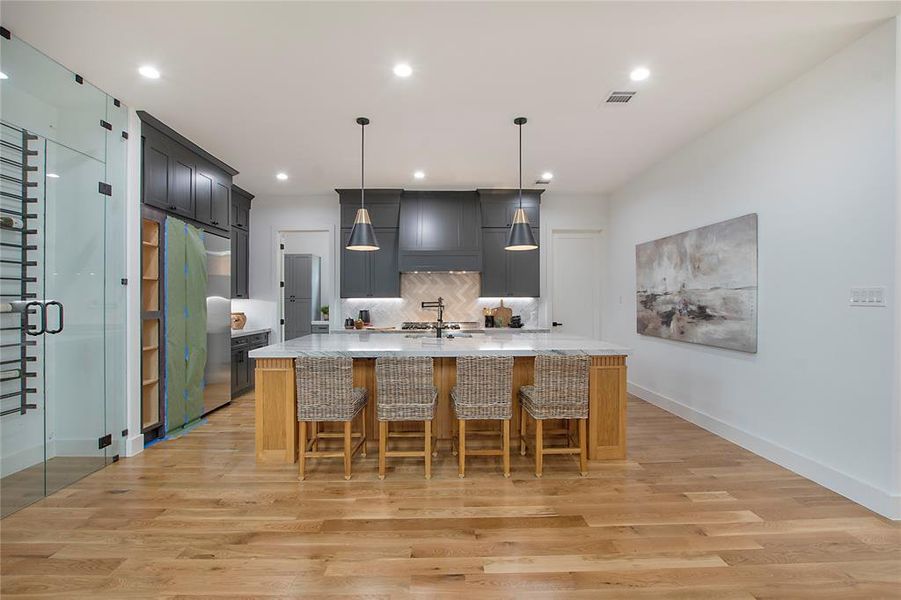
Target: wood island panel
{"x": 276, "y": 424}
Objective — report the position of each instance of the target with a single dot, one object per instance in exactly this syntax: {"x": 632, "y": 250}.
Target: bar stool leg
{"x": 383, "y": 447}
{"x": 454, "y": 435}
{"x": 363, "y": 442}
{"x": 523, "y": 430}
{"x": 583, "y": 447}
{"x": 506, "y": 448}
{"x": 428, "y": 449}
{"x": 461, "y": 449}
{"x": 314, "y": 434}
{"x": 539, "y": 448}
{"x": 302, "y": 459}
{"x": 348, "y": 441}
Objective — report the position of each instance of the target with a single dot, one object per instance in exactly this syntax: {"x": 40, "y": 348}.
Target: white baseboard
{"x": 877, "y": 500}
{"x": 15, "y": 462}
{"x": 134, "y": 445}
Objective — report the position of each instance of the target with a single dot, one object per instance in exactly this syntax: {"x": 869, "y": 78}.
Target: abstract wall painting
{"x": 700, "y": 286}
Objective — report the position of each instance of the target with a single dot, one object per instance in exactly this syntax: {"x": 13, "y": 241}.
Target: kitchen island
{"x": 276, "y": 414}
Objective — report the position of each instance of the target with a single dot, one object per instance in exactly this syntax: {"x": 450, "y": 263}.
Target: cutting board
{"x": 502, "y": 315}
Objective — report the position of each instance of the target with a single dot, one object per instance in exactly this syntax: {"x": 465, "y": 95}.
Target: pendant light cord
{"x": 520, "y": 165}
{"x": 363, "y": 165}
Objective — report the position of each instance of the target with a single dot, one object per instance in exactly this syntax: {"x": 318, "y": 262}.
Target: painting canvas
{"x": 700, "y": 286}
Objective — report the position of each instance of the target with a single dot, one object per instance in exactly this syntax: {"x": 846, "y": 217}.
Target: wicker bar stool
{"x": 406, "y": 392}
{"x": 325, "y": 392}
{"x": 483, "y": 391}
{"x": 560, "y": 392}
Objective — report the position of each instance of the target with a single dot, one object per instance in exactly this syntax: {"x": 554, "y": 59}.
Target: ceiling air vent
{"x": 619, "y": 97}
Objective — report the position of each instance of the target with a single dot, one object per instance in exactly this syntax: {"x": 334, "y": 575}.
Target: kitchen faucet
{"x": 440, "y": 306}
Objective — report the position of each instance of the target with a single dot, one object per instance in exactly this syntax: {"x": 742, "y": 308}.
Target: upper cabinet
{"x": 498, "y": 206}
{"x": 371, "y": 274}
{"x": 440, "y": 231}
{"x": 508, "y": 273}
{"x": 183, "y": 179}
{"x": 240, "y": 236}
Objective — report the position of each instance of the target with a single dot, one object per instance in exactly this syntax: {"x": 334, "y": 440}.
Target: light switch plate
{"x": 867, "y": 296}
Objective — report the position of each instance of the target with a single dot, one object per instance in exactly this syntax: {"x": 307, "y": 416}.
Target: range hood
{"x": 440, "y": 231}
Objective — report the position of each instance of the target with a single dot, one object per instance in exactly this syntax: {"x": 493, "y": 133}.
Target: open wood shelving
{"x": 151, "y": 323}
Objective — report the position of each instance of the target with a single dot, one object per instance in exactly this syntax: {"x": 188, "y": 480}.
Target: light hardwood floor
{"x": 687, "y": 516}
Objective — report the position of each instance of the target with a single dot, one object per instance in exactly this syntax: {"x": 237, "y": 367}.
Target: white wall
{"x": 270, "y": 215}
{"x": 897, "y": 414}
{"x": 816, "y": 160}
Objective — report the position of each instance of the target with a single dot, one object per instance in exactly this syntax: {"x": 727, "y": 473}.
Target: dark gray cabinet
{"x": 240, "y": 263}
{"x": 440, "y": 231}
{"x": 240, "y": 199}
{"x": 181, "y": 178}
{"x": 240, "y": 213}
{"x": 243, "y": 367}
{"x": 506, "y": 273}
{"x": 498, "y": 206}
{"x": 301, "y": 298}
{"x": 371, "y": 274}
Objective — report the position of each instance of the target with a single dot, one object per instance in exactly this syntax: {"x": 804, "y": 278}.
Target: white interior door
{"x": 576, "y": 283}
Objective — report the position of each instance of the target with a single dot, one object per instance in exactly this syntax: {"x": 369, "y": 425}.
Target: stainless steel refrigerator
{"x": 217, "y": 373}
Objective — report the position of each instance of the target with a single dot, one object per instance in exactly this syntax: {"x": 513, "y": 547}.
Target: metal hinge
{"x": 5, "y": 33}
{"x": 105, "y": 125}
{"x": 124, "y": 135}
{"x": 105, "y": 441}
{"x": 115, "y": 458}
{"x": 105, "y": 189}
{"x": 281, "y": 246}
{"x": 124, "y": 281}
{"x": 281, "y": 321}
{"x": 281, "y": 284}
{"x": 116, "y": 102}
{"x": 79, "y": 79}
{"x": 124, "y": 433}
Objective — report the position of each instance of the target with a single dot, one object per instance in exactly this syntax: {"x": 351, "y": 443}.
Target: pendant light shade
{"x": 362, "y": 236}
{"x": 520, "y": 236}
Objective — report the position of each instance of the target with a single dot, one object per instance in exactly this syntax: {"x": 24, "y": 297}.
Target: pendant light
{"x": 520, "y": 236}
{"x": 362, "y": 236}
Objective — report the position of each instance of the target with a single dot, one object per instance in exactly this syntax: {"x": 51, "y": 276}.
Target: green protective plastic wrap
{"x": 175, "y": 307}
{"x": 195, "y": 326}
{"x": 185, "y": 307}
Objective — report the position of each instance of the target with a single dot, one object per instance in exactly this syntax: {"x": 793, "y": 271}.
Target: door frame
{"x": 279, "y": 255}
{"x": 600, "y": 273}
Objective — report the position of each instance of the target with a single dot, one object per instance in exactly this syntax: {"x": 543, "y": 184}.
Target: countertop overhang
{"x": 374, "y": 345}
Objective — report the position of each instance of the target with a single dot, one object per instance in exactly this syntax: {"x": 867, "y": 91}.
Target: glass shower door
{"x": 74, "y": 309}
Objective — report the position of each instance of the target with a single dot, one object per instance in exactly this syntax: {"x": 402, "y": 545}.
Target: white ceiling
{"x": 273, "y": 87}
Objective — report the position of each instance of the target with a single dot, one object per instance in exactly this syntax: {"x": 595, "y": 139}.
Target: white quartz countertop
{"x": 246, "y": 332}
{"x": 479, "y": 330}
{"x": 373, "y": 345}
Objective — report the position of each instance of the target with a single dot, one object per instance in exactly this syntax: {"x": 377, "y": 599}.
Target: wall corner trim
{"x": 861, "y": 492}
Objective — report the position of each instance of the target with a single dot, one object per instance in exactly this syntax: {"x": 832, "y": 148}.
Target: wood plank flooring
{"x": 688, "y": 515}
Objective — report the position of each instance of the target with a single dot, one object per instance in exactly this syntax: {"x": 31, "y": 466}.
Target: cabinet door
{"x": 494, "y": 262}
{"x": 240, "y": 216}
{"x": 220, "y": 204}
{"x": 181, "y": 182}
{"x": 523, "y": 272}
{"x": 384, "y": 277}
{"x": 239, "y": 369}
{"x": 203, "y": 197}
{"x": 354, "y": 270}
{"x": 240, "y": 264}
{"x": 156, "y": 171}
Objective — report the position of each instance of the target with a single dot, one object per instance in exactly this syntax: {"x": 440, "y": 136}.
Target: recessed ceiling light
{"x": 281, "y": 176}
{"x": 547, "y": 176}
{"x": 52, "y": 175}
{"x": 3, "y": 75}
{"x": 639, "y": 74}
{"x": 419, "y": 175}
{"x": 149, "y": 72}
{"x": 403, "y": 70}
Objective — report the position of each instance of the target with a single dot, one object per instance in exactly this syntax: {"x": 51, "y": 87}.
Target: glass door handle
{"x": 61, "y": 316}
{"x": 41, "y": 311}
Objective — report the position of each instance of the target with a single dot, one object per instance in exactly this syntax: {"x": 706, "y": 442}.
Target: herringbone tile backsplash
{"x": 461, "y": 297}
